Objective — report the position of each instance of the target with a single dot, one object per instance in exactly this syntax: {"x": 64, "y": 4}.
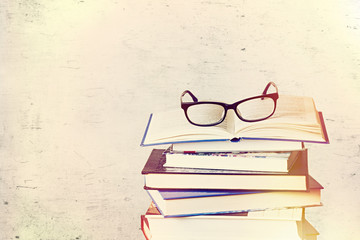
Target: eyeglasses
{"x": 253, "y": 109}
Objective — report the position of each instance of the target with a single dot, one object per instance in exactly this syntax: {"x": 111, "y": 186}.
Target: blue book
{"x": 178, "y": 203}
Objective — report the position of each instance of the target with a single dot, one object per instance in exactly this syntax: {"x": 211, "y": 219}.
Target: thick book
{"x": 224, "y": 226}
{"x": 248, "y": 161}
{"x": 295, "y": 119}
{"x": 176, "y": 203}
{"x": 159, "y": 177}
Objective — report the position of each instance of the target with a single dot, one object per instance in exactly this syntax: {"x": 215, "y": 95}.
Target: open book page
{"x": 230, "y": 122}
{"x": 173, "y": 126}
{"x": 295, "y": 109}
{"x": 295, "y": 117}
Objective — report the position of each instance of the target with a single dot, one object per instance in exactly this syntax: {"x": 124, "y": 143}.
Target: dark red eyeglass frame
{"x": 233, "y": 106}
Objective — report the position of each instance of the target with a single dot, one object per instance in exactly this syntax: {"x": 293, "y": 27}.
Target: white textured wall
{"x": 78, "y": 79}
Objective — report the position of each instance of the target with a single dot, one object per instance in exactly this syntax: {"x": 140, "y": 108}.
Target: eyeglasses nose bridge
{"x": 231, "y": 106}
{"x": 234, "y": 108}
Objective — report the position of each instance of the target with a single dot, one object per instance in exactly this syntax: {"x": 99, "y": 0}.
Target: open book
{"x": 295, "y": 119}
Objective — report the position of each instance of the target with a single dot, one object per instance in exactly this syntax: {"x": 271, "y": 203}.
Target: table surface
{"x": 80, "y": 78}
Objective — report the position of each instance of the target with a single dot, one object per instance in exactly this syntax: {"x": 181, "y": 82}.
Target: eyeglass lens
{"x": 250, "y": 110}
{"x": 256, "y": 109}
{"x": 206, "y": 114}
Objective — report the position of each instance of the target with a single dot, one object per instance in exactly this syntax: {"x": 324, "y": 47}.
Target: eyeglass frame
{"x": 233, "y": 106}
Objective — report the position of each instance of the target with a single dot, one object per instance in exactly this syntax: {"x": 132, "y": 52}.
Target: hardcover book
{"x": 176, "y": 203}
{"x": 247, "y": 161}
{"x": 295, "y": 119}
{"x": 224, "y": 226}
{"x": 159, "y": 177}
{"x": 295, "y": 214}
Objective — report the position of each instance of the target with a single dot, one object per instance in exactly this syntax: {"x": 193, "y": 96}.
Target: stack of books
{"x": 251, "y": 182}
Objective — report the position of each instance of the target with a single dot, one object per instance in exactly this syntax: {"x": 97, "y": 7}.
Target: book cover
{"x": 159, "y": 177}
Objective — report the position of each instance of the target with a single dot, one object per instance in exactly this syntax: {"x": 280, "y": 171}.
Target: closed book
{"x": 176, "y": 203}
{"x": 159, "y": 177}
{"x": 248, "y": 161}
{"x": 271, "y": 214}
{"x": 224, "y": 226}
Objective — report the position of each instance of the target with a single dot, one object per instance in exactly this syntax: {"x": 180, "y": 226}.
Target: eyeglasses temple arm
{"x": 267, "y": 87}
{"x": 192, "y": 95}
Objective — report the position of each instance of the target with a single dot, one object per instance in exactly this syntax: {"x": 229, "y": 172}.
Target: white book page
{"x": 173, "y": 125}
{"x": 292, "y": 114}
{"x": 299, "y": 110}
{"x": 243, "y": 145}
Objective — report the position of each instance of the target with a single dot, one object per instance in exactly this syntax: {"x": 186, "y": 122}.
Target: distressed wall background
{"x": 79, "y": 78}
